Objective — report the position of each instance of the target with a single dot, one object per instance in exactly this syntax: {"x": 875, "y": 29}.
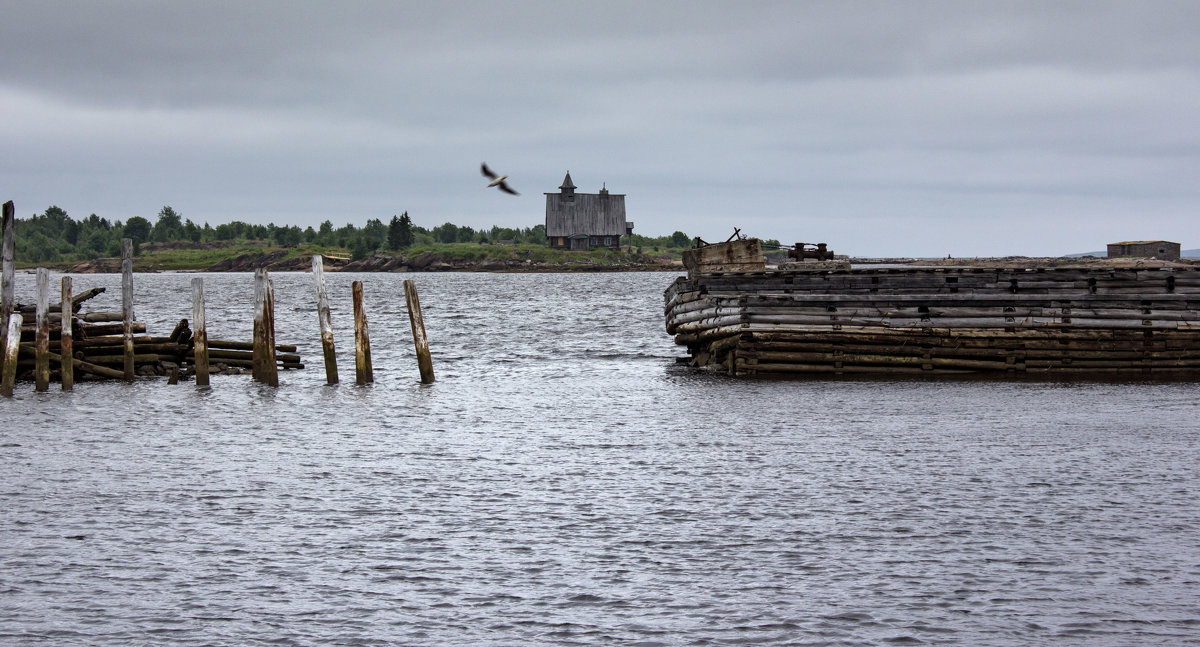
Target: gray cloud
{"x": 884, "y": 128}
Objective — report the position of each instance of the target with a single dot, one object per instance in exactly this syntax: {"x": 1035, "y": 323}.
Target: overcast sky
{"x": 883, "y": 128}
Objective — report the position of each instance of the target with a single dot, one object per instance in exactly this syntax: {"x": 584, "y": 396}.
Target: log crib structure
{"x": 925, "y": 321}
{"x": 95, "y": 342}
{"x": 41, "y": 341}
{"x": 113, "y": 344}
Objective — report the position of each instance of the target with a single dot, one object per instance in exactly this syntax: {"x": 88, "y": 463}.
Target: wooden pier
{"x": 96, "y": 343}
{"x": 1127, "y": 320}
{"x": 112, "y": 344}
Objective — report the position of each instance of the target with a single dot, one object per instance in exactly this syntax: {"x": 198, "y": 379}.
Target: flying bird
{"x": 496, "y": 180}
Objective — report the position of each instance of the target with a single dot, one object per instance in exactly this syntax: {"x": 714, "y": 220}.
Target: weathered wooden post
{"x": 7, "y": 272}
{"x": 424, "y": 363}
{"x": 331, "y": 376}
{"x": 200, "y": 335}
{"x": 12, "y": 346}
{"x": 269, "y": 367}
{"x": 66, "y": 344}
{"x": 259, "y": 350}
{"x": 363, "y": 374}
{"x": 41, "y": 370}
{"x": 127, "y": 304}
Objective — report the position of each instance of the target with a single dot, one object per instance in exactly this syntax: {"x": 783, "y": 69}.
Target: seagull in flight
{"x": 496, "y": 180}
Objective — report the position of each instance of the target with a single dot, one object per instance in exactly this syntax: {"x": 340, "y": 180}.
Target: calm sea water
{"x": 565, "y": 483}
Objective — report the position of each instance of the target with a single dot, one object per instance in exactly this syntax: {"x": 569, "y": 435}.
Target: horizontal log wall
{"x": 940, "y": 320}
{"x": 99, "y": 349}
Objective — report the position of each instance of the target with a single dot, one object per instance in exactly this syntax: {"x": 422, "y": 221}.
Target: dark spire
{"x": 568, "y": 189}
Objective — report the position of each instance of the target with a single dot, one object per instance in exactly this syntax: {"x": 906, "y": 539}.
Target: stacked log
{"x": 98, "y": 343}
{"x": 940, "y": 320}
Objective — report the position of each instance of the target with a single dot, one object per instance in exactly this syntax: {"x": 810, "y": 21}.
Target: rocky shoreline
{"x": 279, "y": 261}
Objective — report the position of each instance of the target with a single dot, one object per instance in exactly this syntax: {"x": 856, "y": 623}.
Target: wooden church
{"x": 585, "y": 220}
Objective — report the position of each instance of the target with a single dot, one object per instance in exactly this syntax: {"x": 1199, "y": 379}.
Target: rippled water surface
{"x": 565, "y": 483}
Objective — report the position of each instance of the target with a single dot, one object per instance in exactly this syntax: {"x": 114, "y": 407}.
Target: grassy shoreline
{"x": 177, "y": 256}
{"x": 243, "y": 255}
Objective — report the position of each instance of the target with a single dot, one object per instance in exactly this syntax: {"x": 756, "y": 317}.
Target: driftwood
{"x": 75, "y": 301}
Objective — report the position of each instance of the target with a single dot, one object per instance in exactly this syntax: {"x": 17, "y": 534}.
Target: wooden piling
{"x": 66, "y": 342}
{"x": 200, "y": 334}
{"x": 331, "y": 376}
{"x": 259, "y": 337}
{"x": 7, "y": 272}
{"x": 41, "y": 371}
{"x": 424, "y": 362}
{"x": 12, "y": 346}
{"x": 363, "y": 374}
{"x": 127, "y": 304}
{"x": 270, "y": 370}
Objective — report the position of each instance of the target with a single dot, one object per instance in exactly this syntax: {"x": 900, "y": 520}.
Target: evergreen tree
{"x": 393, "y": 240}
{"x": 406, "y": 231}
{"x": 400, "y": 234}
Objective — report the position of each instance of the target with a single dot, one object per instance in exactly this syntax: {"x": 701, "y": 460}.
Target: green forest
{"x": 55, "y": 237}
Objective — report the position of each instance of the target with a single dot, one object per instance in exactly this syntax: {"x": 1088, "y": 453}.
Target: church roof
{"x": 591, "y": 214}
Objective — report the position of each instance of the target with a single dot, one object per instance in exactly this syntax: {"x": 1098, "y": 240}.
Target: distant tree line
{"x": 55, "y": 236}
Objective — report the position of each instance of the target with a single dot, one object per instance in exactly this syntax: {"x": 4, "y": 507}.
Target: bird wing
{"x": 507, "y": 189}
{"x": 487, "y": 171}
